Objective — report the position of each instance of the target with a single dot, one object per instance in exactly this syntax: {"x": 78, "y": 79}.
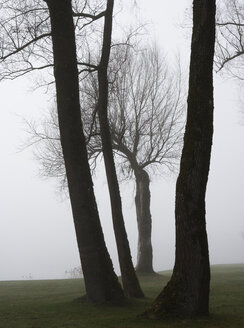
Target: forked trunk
{"x": 100, "y": 280}
{"x": 129, "y": 278}
{"x": 187, "y": 293}
{"x": 144, "y": 223}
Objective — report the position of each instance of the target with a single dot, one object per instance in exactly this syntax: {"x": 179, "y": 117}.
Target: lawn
{"x": 53, "y": 304}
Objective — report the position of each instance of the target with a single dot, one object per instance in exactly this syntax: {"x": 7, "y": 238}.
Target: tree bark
{"x": 129, "y": 278}
{"x": 144, "y": 223}
{"x": 187, "y": 293}
{"x": 100, "y": 280}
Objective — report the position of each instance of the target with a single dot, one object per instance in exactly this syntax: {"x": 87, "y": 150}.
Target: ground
{"x": 54, "y": 304}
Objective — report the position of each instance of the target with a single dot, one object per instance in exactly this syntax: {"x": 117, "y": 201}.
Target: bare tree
{"x": 146, "y": 117}
{"x": 74, "y": 273}
{"x": 130, "y": 281}
{"x": 129, "y": 278}
{"x": 230, "y": 37}
{"x": 229, "y": 48}
{"x": 187, "y": 292}
{"x": 26, "y": 37}
{"x": 100, "y": 280}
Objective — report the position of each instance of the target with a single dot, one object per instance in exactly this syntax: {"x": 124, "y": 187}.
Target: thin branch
{"x": 25, "y": 45}
{"x": 229, "y": 23}
{"x": 226, "y": 60}
{"x": 92, "y": 17}
{"x": 95, "y": 67}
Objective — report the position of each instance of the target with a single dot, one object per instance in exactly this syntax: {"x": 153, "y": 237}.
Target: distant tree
{"x": 74, "y": 273}
{"x": 187, "y": 292}
{"x": 146, "y": 118}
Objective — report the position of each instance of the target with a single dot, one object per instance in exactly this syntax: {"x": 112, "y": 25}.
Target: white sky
{"x": 36, "y": 229}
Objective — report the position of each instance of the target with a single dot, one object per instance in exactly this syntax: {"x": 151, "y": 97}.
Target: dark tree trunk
{"x": 187, "y": 293}
{"x": 129, "y": 279}
{"x": 100, "y": 280}
{"x": 144, "y": 223}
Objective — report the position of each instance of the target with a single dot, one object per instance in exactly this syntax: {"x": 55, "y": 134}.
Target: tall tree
{"x": 187, "y": 292}
{"x": 100, "y": 280}
{"x": 129, "y": 279}
{"x": 22, "y": 45}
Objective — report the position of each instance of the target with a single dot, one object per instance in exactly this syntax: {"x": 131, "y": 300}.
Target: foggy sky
{"x": 36, "y": 229}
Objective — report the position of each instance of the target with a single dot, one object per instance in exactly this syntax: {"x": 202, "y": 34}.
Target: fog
{"x": 36, "y": 229}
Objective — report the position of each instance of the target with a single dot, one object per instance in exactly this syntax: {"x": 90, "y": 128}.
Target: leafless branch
{"x": 229, "y": 41}
{"x": 92, "y": 17}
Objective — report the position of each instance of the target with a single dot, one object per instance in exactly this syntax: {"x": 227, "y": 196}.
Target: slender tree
{"x": 100, "y": 280}
{"x": 129, "y": 279}
{"x": 187, "y": 292}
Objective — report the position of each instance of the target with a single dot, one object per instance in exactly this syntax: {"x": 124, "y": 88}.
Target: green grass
{"x": 50, "y": 304}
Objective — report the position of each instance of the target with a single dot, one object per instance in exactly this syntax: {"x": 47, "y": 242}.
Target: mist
{"x": 37, "y": 238}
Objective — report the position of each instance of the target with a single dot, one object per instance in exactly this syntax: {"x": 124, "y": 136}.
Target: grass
{"x": 50, "y": 304}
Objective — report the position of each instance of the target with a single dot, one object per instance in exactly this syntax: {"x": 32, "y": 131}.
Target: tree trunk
{"x": 129, "y": 279}
{"x": 144, "y": 223}
{"x": 187, "y": 293}
{"x": 100, "y": 280}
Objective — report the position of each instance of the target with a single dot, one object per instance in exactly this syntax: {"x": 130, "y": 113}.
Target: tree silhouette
{"x": 35, "y": 37}
{"x": 187, "y": 292}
